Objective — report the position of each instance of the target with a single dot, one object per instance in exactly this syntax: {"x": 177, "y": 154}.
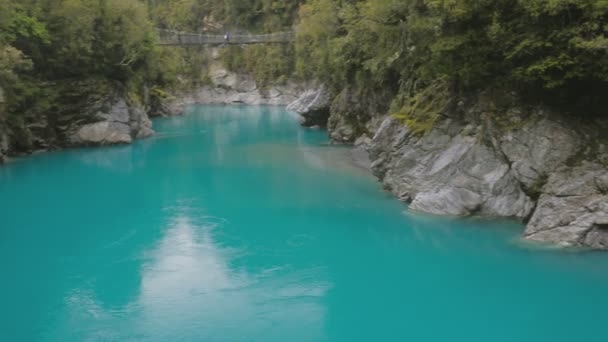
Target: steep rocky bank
{"x": 102, "y": 115}
{"x": 106, "y": 118}
{"x": 529, "y": 163}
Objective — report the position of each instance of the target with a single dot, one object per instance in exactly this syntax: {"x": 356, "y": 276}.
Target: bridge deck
{"x": 168, "y": 37}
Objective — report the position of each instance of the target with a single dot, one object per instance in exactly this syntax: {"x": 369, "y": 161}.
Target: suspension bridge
{"x": 176, "y": 38}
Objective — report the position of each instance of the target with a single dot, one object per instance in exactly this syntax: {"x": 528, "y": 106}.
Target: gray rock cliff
{"x": 573, "y": 208}
{"x": 531, "y": 165}
{"x": 446, "y": 172}
{"x": 544, "y": 168}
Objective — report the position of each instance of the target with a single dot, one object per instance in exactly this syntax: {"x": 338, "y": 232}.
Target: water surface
{"x": 235, "y": 224}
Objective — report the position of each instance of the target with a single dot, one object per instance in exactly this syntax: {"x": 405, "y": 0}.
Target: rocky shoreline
{"x": 113, "y": 118}
{"x": 547, "y": 170}
{"x": 534, "y": 165}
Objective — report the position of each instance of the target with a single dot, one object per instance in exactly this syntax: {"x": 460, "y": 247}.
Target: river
{"x": 235, "y": 224}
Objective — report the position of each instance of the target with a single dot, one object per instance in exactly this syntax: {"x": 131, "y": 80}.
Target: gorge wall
{"x": 100, "y": 118}
{"x": 546, "y": 169}
{"x": 105, "y": 114}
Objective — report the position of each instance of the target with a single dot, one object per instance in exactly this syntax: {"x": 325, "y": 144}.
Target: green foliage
{"x": 45, "y": 43}
{"x": 549, "y": 49}
{"x": 218, "y": 15}
{"x": 266, "y": 64}
{"x": 24, "y": 26}
{"x": 12, "y": 61}
{"x": 49, "y": 48}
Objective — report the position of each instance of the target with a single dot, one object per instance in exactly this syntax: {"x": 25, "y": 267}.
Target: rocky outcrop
{"x": 97, "y": 115}
{"x": 447, "y": 171}
{"x": 529, "y": 164}
{"x": 111, "y": 121}
{"x": 313, "y": 106}
{"x": 350, "y": 115}
{"x": 573, "y": 208}
{"x": 94, "y": 113}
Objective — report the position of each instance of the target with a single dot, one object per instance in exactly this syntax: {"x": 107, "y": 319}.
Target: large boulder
{"x": 112, "y": 121}
{"x": 103, "y": 133}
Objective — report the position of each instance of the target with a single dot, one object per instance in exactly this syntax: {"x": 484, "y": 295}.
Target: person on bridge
{"x": 227, "y": 37}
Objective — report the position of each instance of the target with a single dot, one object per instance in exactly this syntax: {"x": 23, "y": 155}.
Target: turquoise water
{"x": 235, "y": 224}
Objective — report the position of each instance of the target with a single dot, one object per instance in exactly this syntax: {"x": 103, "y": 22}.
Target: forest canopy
{"x": 546, "y": 49}
{"x": 541, "y": 47}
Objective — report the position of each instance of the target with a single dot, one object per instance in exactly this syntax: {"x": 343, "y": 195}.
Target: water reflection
{"x": 187, "y": 262}
{"x": 190, "y": 276}
{"x": 191, "y": 288}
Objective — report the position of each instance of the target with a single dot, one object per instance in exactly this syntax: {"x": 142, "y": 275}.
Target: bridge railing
{"x": 170, "y": 37}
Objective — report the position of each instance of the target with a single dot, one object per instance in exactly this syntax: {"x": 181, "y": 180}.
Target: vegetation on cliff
{"x": 550, "y": 50}
{"x": 49, "y": 49}
{"x": 411, "y": 51}
{"x": 267, "y": 64}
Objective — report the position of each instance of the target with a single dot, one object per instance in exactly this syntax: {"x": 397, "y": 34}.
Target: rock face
{"x": 573, "y": 208}
{"x": 313, "y": 107}
{"x": 446, "y": 172}
{"x": 95, "y": 114}
{"x": 113, "y": 122}
{"x": 531, "y": 165}
{"x": 350, "y": 115}
{"x": 102, "y": 118}
{"x": 227, "y": 87}
{"x": 354, "y": 113}
{"x": 166, "y": 107}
